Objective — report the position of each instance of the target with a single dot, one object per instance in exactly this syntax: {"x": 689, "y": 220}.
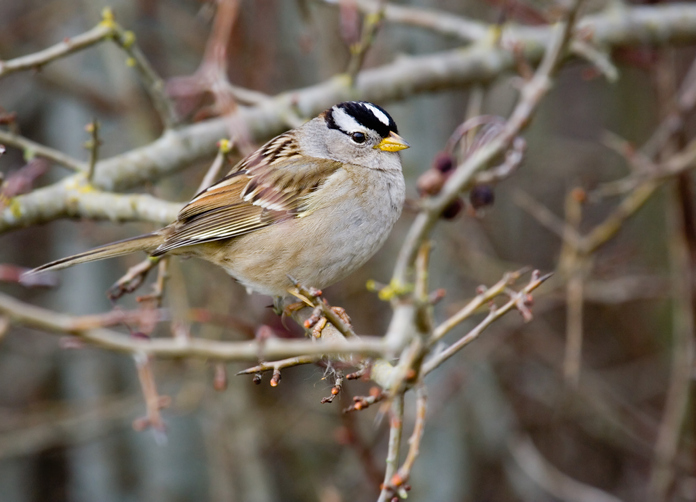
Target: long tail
{"x": 147, "y": 242}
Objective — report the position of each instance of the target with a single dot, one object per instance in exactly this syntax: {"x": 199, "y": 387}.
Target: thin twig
{"x": 517, "y": 301}
{"x": 573, "y": 265}
{"x": 280, "y": 364}
{"x": 154, "y": 85}
{"x": 681, "y": 379}
{"x": 105, "y": 30}
{"x": 404, "y": 473}
{"x": 153, "y": 401}
{"x": 62, "y": 49}
{"x": 481, "y": 299}
{"x": 371, "y": 25}
{"x": 213, "y": 173}
{"x": 132, "y": 279}
{"x": 31, "y": 148}
{"x": 444, "y": 23}
{"x": 544, "y": 216}
{"x": 560, "y": 485}
{"x": 93, "y": 146}
{"x": 396, "y": 424}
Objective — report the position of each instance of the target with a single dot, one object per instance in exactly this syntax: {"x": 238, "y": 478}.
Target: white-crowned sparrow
{"x": 314, "y": 203}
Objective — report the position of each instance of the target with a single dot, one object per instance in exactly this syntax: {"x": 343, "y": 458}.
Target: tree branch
{"x": 178, "y": 149}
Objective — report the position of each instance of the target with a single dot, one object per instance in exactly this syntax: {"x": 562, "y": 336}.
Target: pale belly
{"x": 319, "y": 249}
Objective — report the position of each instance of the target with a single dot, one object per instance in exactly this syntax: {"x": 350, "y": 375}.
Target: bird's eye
{"x": 358, "y": 137}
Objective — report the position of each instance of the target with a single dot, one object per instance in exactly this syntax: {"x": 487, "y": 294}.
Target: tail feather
{"x": 147, "y": 243}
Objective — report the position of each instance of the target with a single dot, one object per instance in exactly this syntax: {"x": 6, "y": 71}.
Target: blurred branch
{"x": 371, "y": 25}
{"x": 31, "y": 148}
{"x": 534, "y": 465}
{"x": 545, "y": 217}
{"x": 603, "y": 232}
{"x": 154, "y": 402}
{"x": 73, "y": 44}
{"x": 441, "y": 22}
{"x": 646, "y": 169}
{"x": 211, "y": 75}
{"x": 53, "y": 426}
{"x": 681, "y": 379}
{"x": 574, "y": 265}
{"x": 681, "y": 219}
{"x": 107, "y": 29}
{"x": 93, "y": 146}
{"x": 448, "y": 24}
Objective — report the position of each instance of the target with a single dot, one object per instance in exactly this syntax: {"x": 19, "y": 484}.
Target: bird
{"x": 310, "y": 206}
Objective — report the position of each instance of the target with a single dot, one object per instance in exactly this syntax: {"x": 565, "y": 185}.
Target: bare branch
{"x": 396, "y": 425}
{"x": 32, "y": 148}
{"x": 399, "y": 480}
{"x": 107, "y": 29}
{"x": 37, "y": 317}
{"x": 62, "y": 49}
{"x": 517, "y": 301}
{"x": 371, "y": 25}
{"x": 534, "y": 465}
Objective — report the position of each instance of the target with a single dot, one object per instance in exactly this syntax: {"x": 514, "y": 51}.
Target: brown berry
{"x": 430, "y": 182}
{"x": 443, "y": 162}
{"x": 481, "y": 196}
{"x": 452, "y": 211}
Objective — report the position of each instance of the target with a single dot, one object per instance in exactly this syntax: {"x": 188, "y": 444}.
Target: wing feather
{"x": 271, "y": 185}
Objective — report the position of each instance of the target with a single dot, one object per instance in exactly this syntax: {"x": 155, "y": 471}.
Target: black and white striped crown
{"x": 354, "y": 115}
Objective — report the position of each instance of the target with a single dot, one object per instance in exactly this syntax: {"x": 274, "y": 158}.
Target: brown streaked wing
{"x": 227, "y": 191}
{"x": 219, "y": 223}
{"x": 249, "y": 200}
{"x": 285, "y": 184}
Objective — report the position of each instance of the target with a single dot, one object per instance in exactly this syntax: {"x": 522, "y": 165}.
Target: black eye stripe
{"x": 364, "y": 116}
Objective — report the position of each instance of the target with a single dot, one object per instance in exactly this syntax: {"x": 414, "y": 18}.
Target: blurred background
{"x": 503, "y": 415}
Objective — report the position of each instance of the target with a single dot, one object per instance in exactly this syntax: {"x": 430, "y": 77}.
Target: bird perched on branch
{"x": 314, "y": 204}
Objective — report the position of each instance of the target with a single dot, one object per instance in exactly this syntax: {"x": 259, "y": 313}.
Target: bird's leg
{"x": 289, "y": 309}
{"x": 342, "y": 314}
{"x": 335, "y": 315}
{"x": 318, "y": 321}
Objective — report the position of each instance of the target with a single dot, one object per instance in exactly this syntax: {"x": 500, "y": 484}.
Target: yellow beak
{"x": 392, "y": 143}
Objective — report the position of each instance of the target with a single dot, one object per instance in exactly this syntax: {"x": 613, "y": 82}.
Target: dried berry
{"x": 430, "y": 182}
{"x": 481, "y": 196}
{"x": 443, "y": 162}
{"x": 453, "y": 209}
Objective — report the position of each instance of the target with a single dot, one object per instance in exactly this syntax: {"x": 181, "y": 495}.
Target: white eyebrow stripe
{"x": 381, "y": 116}
{"x": 345, "y": 122}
